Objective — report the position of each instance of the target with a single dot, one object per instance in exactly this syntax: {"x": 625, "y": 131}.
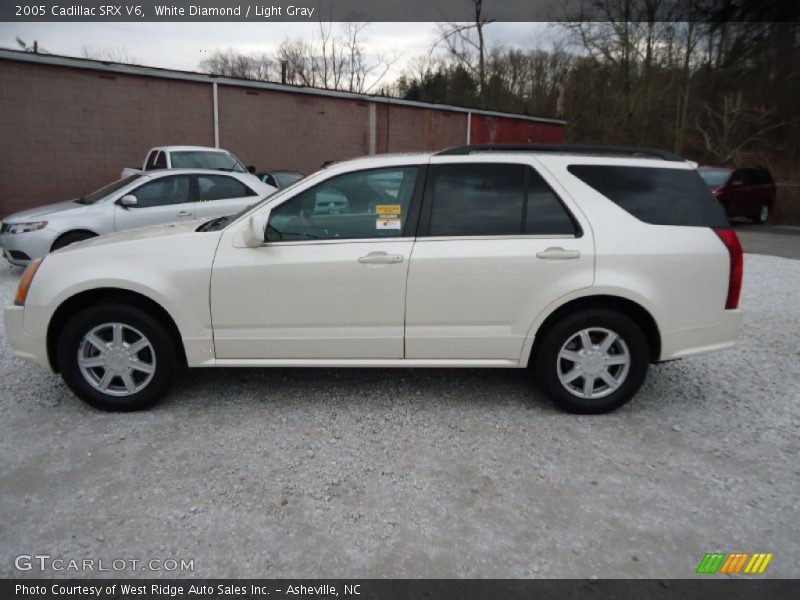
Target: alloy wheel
{"x": 593, "y": 363}
{"x": 116, "y": 359}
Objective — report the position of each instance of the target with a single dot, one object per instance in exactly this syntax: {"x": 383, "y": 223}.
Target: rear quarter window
{"x": 655, "y": 195}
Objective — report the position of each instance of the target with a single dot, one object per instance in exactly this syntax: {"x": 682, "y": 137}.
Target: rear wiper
{"x": 82, "y": 200}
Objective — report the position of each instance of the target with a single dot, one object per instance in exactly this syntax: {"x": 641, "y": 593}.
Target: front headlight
{"x": 25, "y": 227}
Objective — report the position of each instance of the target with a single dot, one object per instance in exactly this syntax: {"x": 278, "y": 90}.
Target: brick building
{"x": 69, "y": 125}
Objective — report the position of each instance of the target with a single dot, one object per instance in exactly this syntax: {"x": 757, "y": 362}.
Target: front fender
{"x": 165, "y": 271}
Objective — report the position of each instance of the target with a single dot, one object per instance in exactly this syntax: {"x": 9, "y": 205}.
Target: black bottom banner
{"x": 396, "y": 589}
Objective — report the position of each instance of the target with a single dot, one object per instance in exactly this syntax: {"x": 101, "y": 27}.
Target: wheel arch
{"x": 70, "y": 232}
{"x": 633, "y": 310}
{"x": 81, "y": 300}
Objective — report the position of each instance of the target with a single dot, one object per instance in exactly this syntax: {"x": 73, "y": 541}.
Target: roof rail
{"x": 563, "y": 148}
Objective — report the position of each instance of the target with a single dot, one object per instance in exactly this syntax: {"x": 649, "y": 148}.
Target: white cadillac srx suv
{"x": 584, "y": 264}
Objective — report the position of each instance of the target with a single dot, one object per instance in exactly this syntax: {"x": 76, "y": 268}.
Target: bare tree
{"x": 111, "y": 54}
{"x": 334, "y": 61}
{"x": 735, "y": 131}
{"x": 230, "y": 63}
{"x": 466, "y": 42}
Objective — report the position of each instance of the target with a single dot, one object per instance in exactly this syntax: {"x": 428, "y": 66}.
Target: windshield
{"x": 220, "y": 161}
{"x": 714, "y": 177}
{"x": 107, "y": 191}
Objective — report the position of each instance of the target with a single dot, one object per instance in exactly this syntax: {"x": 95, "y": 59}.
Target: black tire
{"x": 547, "y": 362}
{"x": 763, "y": 214}
{"x": 160, "y": 355}
{"x": 71, "y": 238}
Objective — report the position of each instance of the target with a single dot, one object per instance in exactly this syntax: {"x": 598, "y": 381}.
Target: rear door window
{"x": 751, "y": 177}
{"x": 476, "y": 199}
{"x": 495, "y": 199}
{"x": 220, "y": 187}
{"x": 544, "y": 212}
{"x": 738, "y": 175}
{"x": 656, "y": 195}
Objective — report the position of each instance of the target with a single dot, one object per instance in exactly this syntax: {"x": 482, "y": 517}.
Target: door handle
{"x": 380, "y": 258}
{"x": 184, "y": 213}
{"x": 558, "y": 254}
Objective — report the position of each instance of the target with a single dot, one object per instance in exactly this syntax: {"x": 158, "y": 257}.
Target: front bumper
{"x": 21, "y": 248}
{"x": 687, "y": 342}
{"x": 32, "y": 348}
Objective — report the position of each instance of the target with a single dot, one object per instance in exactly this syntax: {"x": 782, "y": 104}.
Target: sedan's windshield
{"x": 221, "y": 161}
{"x": 714, "y": 177}
{"x": 107, "y": 191}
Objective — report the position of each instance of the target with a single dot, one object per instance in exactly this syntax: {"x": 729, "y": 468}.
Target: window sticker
{"x": 388, "y": 210}
{"x": 390, "y": 223}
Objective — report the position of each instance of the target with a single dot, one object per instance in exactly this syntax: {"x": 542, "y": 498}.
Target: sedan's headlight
{"x": 25, "y": 227}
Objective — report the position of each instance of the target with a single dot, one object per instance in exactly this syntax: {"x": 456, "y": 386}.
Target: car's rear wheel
{"x": 71, "y": 238}
{"x": 763, "y": 214}
{"x": 116, "y": 357}
{"x": 592, "y": 361}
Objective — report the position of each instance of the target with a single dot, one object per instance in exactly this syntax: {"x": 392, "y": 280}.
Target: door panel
{"x": 163, "y": 200}
{"x": 221, "y": 195}
{"x": 331, "y": 281}
{"x": 310, "y": 300}
{"x": 477, "y": 298}
{"x": 502, "y": 247}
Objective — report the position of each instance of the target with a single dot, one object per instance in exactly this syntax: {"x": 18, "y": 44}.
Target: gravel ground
{"x": 428, "y": 473}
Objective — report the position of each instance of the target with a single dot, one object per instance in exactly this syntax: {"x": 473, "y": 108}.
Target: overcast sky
{"x": 182, "y": 46}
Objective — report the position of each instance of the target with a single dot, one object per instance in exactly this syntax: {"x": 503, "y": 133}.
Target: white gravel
{"x": 428, "y": 473}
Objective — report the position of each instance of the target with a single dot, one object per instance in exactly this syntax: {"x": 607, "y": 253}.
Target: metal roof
{"x": 126, "y": 69}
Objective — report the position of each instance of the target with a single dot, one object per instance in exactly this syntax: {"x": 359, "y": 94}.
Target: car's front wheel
{"x": 116, "y": 357}
{"x": 592, "y": 361}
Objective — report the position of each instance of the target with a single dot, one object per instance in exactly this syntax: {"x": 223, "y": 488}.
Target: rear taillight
{"x": 731, "y": 241}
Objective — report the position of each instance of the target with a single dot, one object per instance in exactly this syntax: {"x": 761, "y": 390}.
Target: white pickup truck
{"x": 189, "y": 157}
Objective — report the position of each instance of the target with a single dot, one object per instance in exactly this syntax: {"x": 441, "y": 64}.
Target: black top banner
{"x": 399, "y": 589}
{"x": 394, "y": 10}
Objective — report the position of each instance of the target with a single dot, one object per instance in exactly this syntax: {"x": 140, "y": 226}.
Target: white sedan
{"x": 146, "y": 199}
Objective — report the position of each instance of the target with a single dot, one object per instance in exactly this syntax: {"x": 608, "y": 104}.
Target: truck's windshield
{"x": 221, "y": 161}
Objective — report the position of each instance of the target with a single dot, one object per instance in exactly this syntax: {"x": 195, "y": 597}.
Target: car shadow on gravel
{"x": 352, "y": 386}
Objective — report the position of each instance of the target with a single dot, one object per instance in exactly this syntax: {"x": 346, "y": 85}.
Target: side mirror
{"x": 128, "y": 201}
{"x": 253, "y": 234}
{"x": 251, "y": 169}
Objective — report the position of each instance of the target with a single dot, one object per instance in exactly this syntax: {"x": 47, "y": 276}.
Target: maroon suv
{"x": 742, "y": 191}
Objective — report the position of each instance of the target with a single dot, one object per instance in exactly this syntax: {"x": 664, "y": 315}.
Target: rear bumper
{"x": 32, "y": 348}
{"x": 688, "y": 342}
